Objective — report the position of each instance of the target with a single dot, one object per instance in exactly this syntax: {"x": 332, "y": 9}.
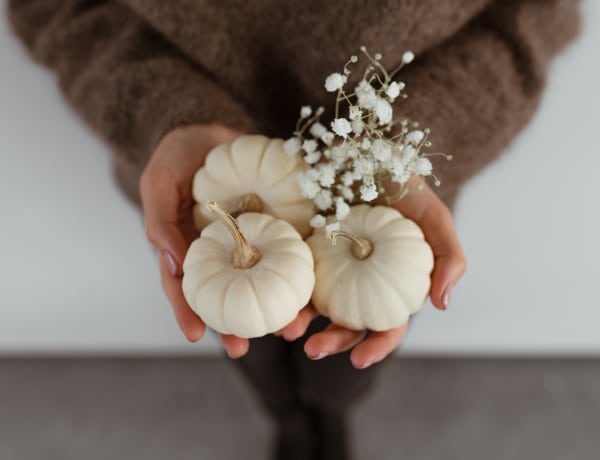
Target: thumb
{"x": 160, "y": 201}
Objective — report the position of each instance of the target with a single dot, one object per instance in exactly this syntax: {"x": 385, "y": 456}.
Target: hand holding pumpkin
{"x": 434, "y": 218}
{"x": 165, "y": 188}
{"x": 166, "y": 193}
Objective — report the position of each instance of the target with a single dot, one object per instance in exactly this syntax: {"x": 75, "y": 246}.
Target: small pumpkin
{"x": 377, "y": 274}
{"x": 251, "y": 280}
{"x": 252, "y": 174}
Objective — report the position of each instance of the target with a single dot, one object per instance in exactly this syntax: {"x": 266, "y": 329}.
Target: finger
{"x": 297, "y": 328}
{"x": 235, "y": 347}
{"x": 191, "y": 325}
{"x": 161, "y": 203}
{"x": 434, "y": 218}
{"x": 334, "y": 339}
{"x": 450, "y": 262}
{"x": 377, "y": 346}
{"x": 448, "y": 270}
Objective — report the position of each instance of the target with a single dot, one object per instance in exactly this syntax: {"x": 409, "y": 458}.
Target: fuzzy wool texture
{"x": 136, "y": 69}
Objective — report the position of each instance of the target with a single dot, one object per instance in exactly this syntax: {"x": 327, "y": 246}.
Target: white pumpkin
{"x": 252, "y": 174}
{"x": 377, "y": 274}
{"x": 251, "y": 280}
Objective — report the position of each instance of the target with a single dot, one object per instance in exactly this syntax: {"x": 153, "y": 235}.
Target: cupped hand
{"x": 431, "y": 214}
{"x": 165, "y": 187}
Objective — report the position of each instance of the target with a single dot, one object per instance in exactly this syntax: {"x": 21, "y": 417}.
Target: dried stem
{"x": 245, "y": 255}
{"x": 361, "y": 247}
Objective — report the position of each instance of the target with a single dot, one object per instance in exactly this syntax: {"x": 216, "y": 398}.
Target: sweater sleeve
{"x": 477, "y": 90}
{"x": 129, "y": 84}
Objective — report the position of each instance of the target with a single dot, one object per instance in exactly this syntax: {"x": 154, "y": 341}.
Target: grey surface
{"x": 92, "y": 409}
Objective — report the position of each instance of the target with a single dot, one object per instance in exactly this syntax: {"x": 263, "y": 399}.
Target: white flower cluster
{"x": 364, "y": 153}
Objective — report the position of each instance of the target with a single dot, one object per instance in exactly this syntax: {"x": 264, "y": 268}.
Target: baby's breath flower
{"x": 352, "y": 152}
{"x": 393, "y": 90}
{"x": 312, "y": 158}
{"x": 327, "y": 137}
{"x": 364, "y": 147}
{"x": 347, "y": 179}
{"x": 339, "y": 155}
{"x": 305, "y": 111}
{"x": 337, "y": 163}
{"x": 415, "y": 137}
{"x": 318, "y": 221}
{"x": 326, "y": 175}
{"x": 323, "y": 200}
{"x": 365, "y": 165}
{"x": 396, "y": 167}
{"x": 365, "y": 94}
{"x": 308, "y": 187}
{"x": 312, "y": 174}
{"x": 335, "y": 81}
{"x": 317, "y": 130}
{"x": 408, "y": 153}
{"x": 384, "y": 111}
{"x": 368, "y": 192}
{"x": 354, "y": 113}
{"x": 421, "y": 166}
{"x": 309, "y": 145}
{"x": 347, "y": 193}
{"x": 382, "y": 150}
{"x": 292, "y": 146}
{"x": 408, "y": 57}
{"x": 356, "y": 172}
{"x": 341, "y": 127}
{"x": 341, "y": 208}
{"x": 357, "y": 127}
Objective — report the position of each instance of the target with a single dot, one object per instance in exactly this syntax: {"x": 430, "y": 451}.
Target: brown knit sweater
{"x": 136, "y": 69}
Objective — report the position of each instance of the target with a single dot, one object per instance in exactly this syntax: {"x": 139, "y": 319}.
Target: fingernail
{"x": 319, "y": 356}
{"x": 447, "y": 295}
{"x": 365, "y": 365}
{"x": 171, "y": 263}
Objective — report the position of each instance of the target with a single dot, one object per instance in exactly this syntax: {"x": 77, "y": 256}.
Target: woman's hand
{"x": 434, "y": 218}
{"x": 165, "y": 187}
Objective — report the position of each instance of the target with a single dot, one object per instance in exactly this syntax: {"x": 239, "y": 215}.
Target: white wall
{"x": 77, "y": 275}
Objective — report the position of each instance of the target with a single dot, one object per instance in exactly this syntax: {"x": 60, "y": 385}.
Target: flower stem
{"x": 245, "y": 255}
{"x": 361, "y": 247}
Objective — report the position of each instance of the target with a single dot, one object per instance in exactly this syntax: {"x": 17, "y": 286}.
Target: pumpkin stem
{"x": 250, "y": 202}
{"x": 245, "y": 255}
{"x": 361, "y": 247}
